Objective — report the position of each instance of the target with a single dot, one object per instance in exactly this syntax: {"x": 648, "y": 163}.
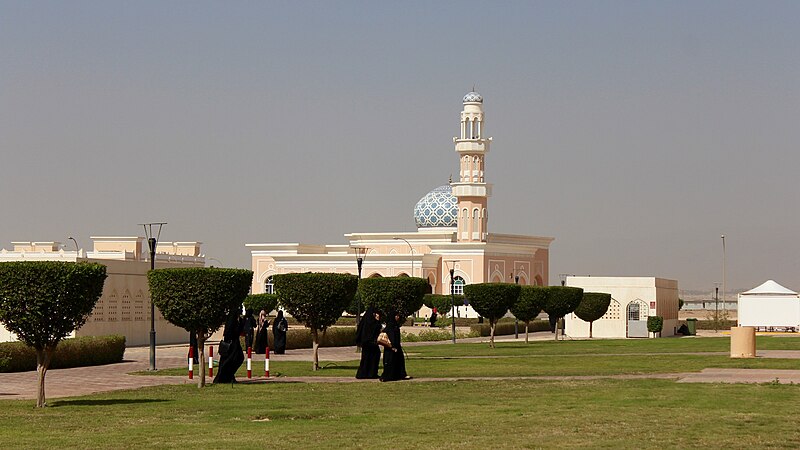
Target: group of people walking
{"x": 371, "y": 335}
{"x": 231, "y": 354}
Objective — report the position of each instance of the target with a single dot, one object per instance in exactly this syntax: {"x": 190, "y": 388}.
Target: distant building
{"x": 124, "y": 307}
{"x": 452, "y": 234}
{"x": 633, "y": 300}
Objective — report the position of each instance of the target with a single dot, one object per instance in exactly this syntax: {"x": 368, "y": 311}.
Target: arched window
{"x": 269, "y": 286}
{"x": 458, "y": 285}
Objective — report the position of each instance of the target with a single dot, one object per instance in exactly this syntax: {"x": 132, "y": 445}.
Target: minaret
{"x": 471, "y": 190}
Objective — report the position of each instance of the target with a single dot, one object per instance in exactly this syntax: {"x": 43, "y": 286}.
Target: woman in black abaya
{"x": 262, "y": 336}
{"x": 367, "y": 337}
{"x": 394, "y": 363}
{"x": 230, "y": 350}
{"x": 279, "y": 327}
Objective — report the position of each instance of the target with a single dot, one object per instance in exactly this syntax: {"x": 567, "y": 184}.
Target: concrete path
{"x": 87, "y": 380}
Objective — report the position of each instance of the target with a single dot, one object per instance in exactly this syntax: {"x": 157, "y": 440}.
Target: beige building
{"x": 452, "y": 234}
{"x": 633, "y": 300}
{"x": 124, "y": 307}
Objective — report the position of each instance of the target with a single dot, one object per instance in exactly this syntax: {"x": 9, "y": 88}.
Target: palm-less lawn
{"x": 497, "y": 413}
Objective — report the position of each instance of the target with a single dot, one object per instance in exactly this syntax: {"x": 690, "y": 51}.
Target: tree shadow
{"x": 104, "y": 402}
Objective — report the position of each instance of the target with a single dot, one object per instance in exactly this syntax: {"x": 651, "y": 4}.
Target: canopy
{"x": 769, "y": 287}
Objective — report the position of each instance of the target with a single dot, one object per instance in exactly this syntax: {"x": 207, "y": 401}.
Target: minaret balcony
{"x": 472, "y": 145}
{"x": 472, "y": 189}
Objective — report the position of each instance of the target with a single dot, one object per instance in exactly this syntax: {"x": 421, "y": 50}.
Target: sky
{"x": 635, "y": 133}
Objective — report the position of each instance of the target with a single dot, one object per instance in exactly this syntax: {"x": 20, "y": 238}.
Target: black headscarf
{"x": 365, "y": 326}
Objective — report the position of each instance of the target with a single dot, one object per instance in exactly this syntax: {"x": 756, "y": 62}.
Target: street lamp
{"x": 453, "y": 297}
{"x": 411, "y": 251}
{"x": 515, "y": 274}
{"x": 152, "y": 240}
{"x": 723, "y": 271}
{"x": 361, "y": 253}
{"x": 215, "y": 259}
{"x": 77, "y": 251}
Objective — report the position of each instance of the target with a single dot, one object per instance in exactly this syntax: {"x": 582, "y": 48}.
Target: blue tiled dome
{"x": 473, "y": 97}
{"x": 438, "y": 208}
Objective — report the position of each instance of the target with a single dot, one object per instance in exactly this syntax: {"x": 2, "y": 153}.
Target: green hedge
{"x": 655, "y": 324}
{"x": 301, "y": 338}
{"x": 77, "y": 352}
{"x": 257, "y": 302}
{"x": 402, "y": 294}
{"x": 435, "y": 335}
{"x": 507, "y": 327}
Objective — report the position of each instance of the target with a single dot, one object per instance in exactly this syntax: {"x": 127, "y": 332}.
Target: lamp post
{"x": 152, "y": 241}
{"x": 77, "y": 251}
{"x": 515, "y": 275}
{"x": 723, "y": 271}
{"x": 361, "y": 253}
{"x": 215, "y": 259}
{"x": 411, "y": 251}
{"x": 716, "y": 308}
{"x": 453, "y": 300}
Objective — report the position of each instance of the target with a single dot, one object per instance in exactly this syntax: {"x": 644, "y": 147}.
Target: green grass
{"x": 564, "y": 358}
{"x": 500, "y": 413}
{"x": 472, "y": 414}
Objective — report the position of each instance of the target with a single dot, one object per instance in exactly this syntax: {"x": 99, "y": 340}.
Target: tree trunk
{"x": 43, "y": 357}
{"x": 526, "y": 332}
{"x": 491, "y": 332}
{"x": 315, "y": 338}
{"x": 590, "y": 329}
{"x": 201, "y": 358}
{"x": 556, "y": 329}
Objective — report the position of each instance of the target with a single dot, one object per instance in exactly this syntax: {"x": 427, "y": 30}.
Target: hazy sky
{"x": 635, "y": 133}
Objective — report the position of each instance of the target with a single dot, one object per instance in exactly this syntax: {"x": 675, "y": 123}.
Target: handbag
{"x": 224, "y": 348}
{"x": 383, "y": 339}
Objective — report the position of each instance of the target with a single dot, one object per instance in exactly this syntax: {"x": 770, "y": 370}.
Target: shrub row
{"x": 507, "y": 327}
{"x": 301, "y": 338}
{"x": 709, "y": 324}
{"x": 78, "y": 352}
{"x": 435, "y": 335}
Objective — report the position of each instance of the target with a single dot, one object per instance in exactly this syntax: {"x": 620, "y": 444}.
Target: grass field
{"x": 501, "y": 413}
{"x": 550, "y": 358}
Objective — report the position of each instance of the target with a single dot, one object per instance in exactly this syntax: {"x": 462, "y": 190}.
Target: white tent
{"x": 769, "y": 306}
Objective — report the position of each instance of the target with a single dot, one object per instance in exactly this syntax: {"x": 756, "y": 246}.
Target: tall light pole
{"x": 453, "y": 298}
{"x": 411, "y": 251}
{"x": 152, "y": 241}
{"x": 361, "y": 253}
{"x": 515, "y": 274}
{"x": 723, "y": 271}
{"x": 77, "y": 251}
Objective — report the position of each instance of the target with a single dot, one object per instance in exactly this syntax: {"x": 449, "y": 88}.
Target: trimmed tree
{"x": 529, "y": 304}
{"x": 592, "y": 307}
{"x": 443, "y": 303}
{"x": 257, "y": 302}
{"x": 199, "y": 300}
{"x": 492, "y": 301}
{"x": 655, "y": 324}
{"x": 562, "y": 300}
{"x": 42, "y": 302}
{"x": 317, "y": 300}
{"x": 402, "y": 294}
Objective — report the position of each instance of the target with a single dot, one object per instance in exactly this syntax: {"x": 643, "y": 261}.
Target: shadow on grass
{"x": 102, "y": 402}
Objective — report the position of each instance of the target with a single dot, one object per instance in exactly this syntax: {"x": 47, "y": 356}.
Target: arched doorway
{"x": 636, "y": 315}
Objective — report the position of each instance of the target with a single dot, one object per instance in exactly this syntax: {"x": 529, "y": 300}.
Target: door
{"x": 637, "y": 319}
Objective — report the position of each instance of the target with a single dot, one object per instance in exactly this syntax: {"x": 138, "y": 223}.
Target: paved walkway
{"x": 88, "y": 380}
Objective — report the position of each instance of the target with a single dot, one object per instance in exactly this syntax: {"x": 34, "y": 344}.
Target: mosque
{"x": 452, "y": 246}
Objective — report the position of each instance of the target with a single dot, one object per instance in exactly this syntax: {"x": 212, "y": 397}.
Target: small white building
{"x": 769, "y": 306}
{"x": 124, "y": 307}
{"x": 633, "y": 300}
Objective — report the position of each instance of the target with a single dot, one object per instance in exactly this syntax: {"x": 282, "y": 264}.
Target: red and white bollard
{"x": 210, "y": 360}
{"x": 191, "y": 363}
{"x": 266, "y": 364}
{"x": 249, "y": 362}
